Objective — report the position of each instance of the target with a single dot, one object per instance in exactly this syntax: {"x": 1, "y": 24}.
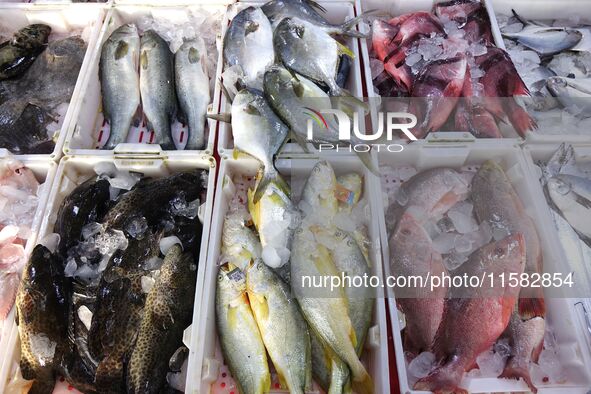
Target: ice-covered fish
{"x": 157, "y": 89}
{"x": 120, "y": 85}
{"x": 259, "y": 132}
{"x": 573, "y": 93}
{"x": 240, "y": 244}
{"x": 546, "y": 40}
{"x": 248, "y": 43}
{"x": 572, "y": 195}
{"x": 192, "y": 88}
{"x": 18, "y": 53}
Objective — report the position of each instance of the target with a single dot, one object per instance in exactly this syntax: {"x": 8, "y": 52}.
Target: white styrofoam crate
{"x": 562, "y": 315}
{"x": 548, "y": 10}
{"x": 72, "y": 171}
{"x": 86, "y": 131}
{"x": 337, "y": 11}
{"x": 206, "y": 364}
{"x": 62, "y": 18}
{"x": 44, "y": 170}
{"x": 399, "y": 7}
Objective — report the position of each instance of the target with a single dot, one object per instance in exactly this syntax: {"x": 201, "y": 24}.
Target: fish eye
{"x": 499, "y": 252}
{"x": 405, "y": 231}
{"x": 563, "y": 187}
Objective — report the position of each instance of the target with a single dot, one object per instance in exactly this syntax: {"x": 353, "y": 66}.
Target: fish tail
{"x": 196, "y": 138}
{"x": 348, "y": 26}
{"x": 362, "y": 382}
{"x": 520, "y": 119}
{"x": 513, "y": 371}
{"x": 531, "y": 307}
{"x": 109, "y": 372}
{"x": 443, "y": 379}
{"x": 42, "y": 387}
{"x": 270, "y": 175}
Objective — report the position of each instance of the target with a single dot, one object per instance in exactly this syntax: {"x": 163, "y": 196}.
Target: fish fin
{"x": 524, "y": 21}
{"x": 225, "y": 117}
{"x": 267, "y": 178}
{"x": 225, "y": 91}
{"x": 347, "y": 99}
{"x": 300, "y": 141}
{"x": 316, "y": 5}
{"x": 11, "y": 111}
{"x": 516, "y": 372}
{"x": 366, "y": 159}
{"x": 259, "y": 304}
{"x": 363, "y": 384}
{"x": 582, "y": 200}
{"x": 347, "y": 26}
{"x": 531, "y": 307}
{"x": 519, "y": 118}
{"x": 343, "y": 50}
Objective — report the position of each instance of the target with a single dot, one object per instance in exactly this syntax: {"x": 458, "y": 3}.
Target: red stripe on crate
{"x": 141, "y": 136}
{"x": 100, "y": 137}
{"x": 151, "y": 137}
{"x": 182, "y": 136}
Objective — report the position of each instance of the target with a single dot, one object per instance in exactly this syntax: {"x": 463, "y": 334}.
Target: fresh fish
{"x": 546, "y": 41}
{"x": 500, "y": 83}
{"x": 192, "y": 85}
{"x": 572, "y": 195}
{"x": 274, "y": 207}
{"x": 239, "y": 335}
{"x": 240, "y": 244}
{"x": 428, "y": 194}
{"x": 157, "y": 90}
{"x": 167, "y": 313}
{"x": 17, "y": 54}
{"x": 293, "y": 97}
{"x": 248, "y": 43}
{"x": 435, "y": 93}
{"x": 496, "y": 202}
{"x": 162, "y": 192}
{"x": 573, "y": 93}
{"x": 42, "y": 303}
{"x": 412, "y": 253}
{"x": 120, "y": 86}
{"x": 526, "y": 340}
{"x": 327, "y": 314}
{"x": 28, "y": 102}
{"x": 474, "y": 318}
{"x": 308, "y": 50}
{"x": 282, "y": 327}
{"x": 88, "y": 202}
{"x": 307, "y": 10}
{"x": 476, "y": 120}
{"x": 258, "y": 132}
{"x": 318, "y": 196}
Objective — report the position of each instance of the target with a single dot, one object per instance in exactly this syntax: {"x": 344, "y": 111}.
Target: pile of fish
{"x": 261, "y": 308}
{"x": 554, "y": 61}
{"x": 19, "y": 200}
{"x": 446, "y": 62}
{"x": 36, "y": 78}
{"x": 105, "y": 300}
{"x": 442, "y": 223}
{"x": 567, "y": 184}
{"x": 284, "y": 65}
{"x": 169, "y": 86}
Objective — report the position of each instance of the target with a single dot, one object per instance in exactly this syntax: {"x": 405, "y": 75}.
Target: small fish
{"x": 18, "y": 53}
{"x": 474, "y": 318}
{"x": 120, "y": 85}
{"x": 42, "y": 303}
{"x": 308, "y": 50}
{"x": 240, "y": 338}
{"x": 572, "y": 195}
{"x": 546, "y": 41}
{"x": 248, "y": 43}
{"x": 192, "y": 85}
{"x": 258, "y": 132}
{"x": 282, "y": 326}
{"x": 307, "y": 10}
{"x": 168, "y": 310}
{"x": 157, "y": 89}
{"x": 573, "y": 93}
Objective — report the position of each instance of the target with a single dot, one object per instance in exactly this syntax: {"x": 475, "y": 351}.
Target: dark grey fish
{"x": 157, "y": 89}
{"x": 17, "y": 54}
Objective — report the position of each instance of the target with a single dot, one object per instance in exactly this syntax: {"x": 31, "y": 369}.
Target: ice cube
{"x": 105, "y": 168}
{"x": 70, "y": 268}
{"x": 478, "y": 49}
{"x": 137, "y": 227}
{"x": 413, "y": 59}
{"x": 147, "y": 284}
{"x": 462, "y": 218}
{"x": 51, "y": 242}
{"x": 445, "y": 242}
{"x": 344, "y": 222}
{"x": 8, "y": 234}
{"x": 153, "y": 263}
{"x": 91, "y": 229}
{"x": 463, "y": 244}
{"x": 110, "y": 241}
{"x": 422, "y": 365}
{"x": 168, "y": 242}
{"x": 189, "y": 210}
{"x": 85, "y": 316}
{"x": 513, "y": 28}
{"x": 113, "y": 193}
{"x": 377, "y": 67}
{"x": 454, "y": 260}
{"x": 490, "y": 363}
{"x": 271, "y": 257}
{"x": 499, "y": 231}
{"x": 124, "y": 180}
{"x": 42, "y": 347}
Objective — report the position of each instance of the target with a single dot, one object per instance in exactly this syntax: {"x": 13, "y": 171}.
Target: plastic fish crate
{"x": 62, "y": 18}
{"x": 74, "y": 170}
{"x": 208, "y": 372}
{"x": 337, "y": 11}
{"x": 547, "y": 10}
{"x": 563, "y": 316}
{"x": 88, "y": 130}
{"x": 398, "y": 7}
{"x": 44, "y": 170}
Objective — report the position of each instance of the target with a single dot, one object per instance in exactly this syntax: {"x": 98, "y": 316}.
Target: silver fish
{"x": 546, "y": 40}
{"x": 572, "y": 195}
{"x": 192, "y": 87}
{"x": 307, "y": 10}
{"x": 258, "y": 132}
{"x": 157, "y": 86}
{"x": 573, "y": 93}
{"x": 248, "y": 42}
{"x": 120, "y": 86}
